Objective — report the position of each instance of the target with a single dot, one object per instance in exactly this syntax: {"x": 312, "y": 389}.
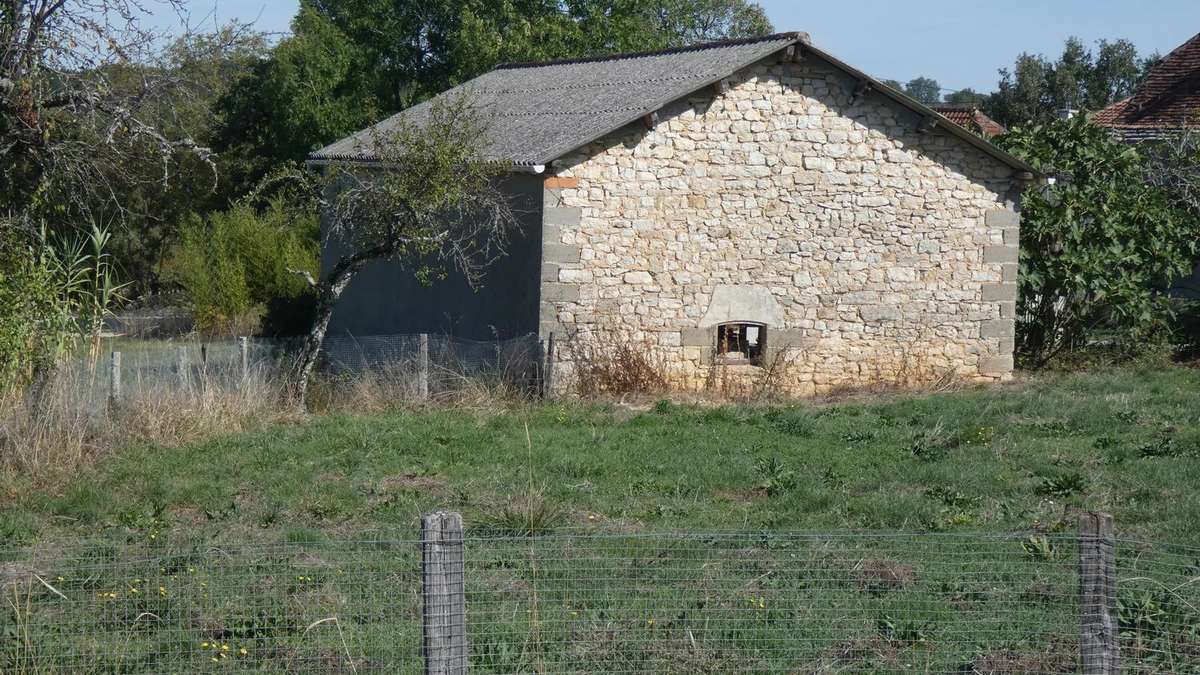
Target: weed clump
{"x": 530, "y": 516}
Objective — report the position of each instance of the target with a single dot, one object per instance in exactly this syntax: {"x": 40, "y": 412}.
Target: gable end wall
{"x": 874, "y": 252}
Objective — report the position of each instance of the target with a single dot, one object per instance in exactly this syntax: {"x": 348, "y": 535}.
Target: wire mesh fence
{"x": 412, "y": 366}
{"x": 349, "y": 606}
{"x": 581, "y": 602}
{"x": 770, "y": 602}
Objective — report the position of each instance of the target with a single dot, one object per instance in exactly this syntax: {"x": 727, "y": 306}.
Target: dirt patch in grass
{"x": 878, "y": 576}
{"x": 856, "y": 653}
{"x": 411, "y": 482}
{"x": 1057, "y": 659}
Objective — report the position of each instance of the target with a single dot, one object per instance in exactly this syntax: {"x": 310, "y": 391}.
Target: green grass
{"x": 157, "y": 528}
{"x": 1012, "y": 458}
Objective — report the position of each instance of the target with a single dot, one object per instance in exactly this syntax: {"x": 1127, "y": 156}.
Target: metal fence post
{"x": 244, "y": 353}
{"x": 114, "y": 379}
{"x": 423, "y": 366}
{"x": 1099, "y": 650}
{"x": 444, "y": 619}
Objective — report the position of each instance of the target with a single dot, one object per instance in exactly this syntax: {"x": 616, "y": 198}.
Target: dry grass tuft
{"x": 74, "y": 423}
{"x": 617, "y": 367}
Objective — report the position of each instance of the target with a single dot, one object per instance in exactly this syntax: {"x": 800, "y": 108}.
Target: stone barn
{"x": 745, "y": 208}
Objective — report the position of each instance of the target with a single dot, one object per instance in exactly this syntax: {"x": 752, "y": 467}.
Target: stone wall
{"x": 873, "y": 252}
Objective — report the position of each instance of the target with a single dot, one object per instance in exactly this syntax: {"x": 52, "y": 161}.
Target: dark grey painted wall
{"x": 385, "y": 298}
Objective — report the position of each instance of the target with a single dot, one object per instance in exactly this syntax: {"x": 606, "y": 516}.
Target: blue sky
{"x": 960, "y": 44}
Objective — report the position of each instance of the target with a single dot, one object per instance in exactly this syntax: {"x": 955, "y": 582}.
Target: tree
{"x": 102, "y": 121}
{"x": 1036, "y": 89}
{"x": 315, "y": 86}
{"x": 1173, "y": 166}
{"x": 1115, "y": 74}
{"x": 1023, "y": 93}
{"x": 440, "y": 208}
{"x": 350, "y": 61}
{"x": 966, "y": 97}
{"x": 1097, "y": 246}
{"x": 924, "y": 89}
{"x": 69, "y": 113}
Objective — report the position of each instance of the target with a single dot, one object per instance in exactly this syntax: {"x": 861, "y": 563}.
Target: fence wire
{"x": 1158, "y": 607}
{"x": 157, "y": 369}
{"x": 309, "y": 608}
{"x": 580, "y": 602}
{"x": 772, "y": 602}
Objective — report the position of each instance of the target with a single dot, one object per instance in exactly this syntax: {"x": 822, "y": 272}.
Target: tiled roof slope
{"x": 1167, "y": 100}
{"x": 969, "y": 117}
{"x": 537, "y": 112}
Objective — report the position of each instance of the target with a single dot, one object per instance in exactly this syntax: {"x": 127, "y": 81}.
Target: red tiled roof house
{"x": 1165, "y": 103}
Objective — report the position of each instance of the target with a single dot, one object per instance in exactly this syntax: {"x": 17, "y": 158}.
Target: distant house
{"x": 971, "y": 118}
{"x": 742, "y": 207}
{"x": 1166, "y": 102}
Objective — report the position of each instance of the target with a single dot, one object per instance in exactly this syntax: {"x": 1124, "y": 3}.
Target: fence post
{"x": 244, "y": 353}
{"x": 423, "y": 366}
{"x": 114, "y": 379}
{"x": 1098, "y": 646}
{"x": 444, "y": 618}
{"x": 181, "y": 366}
{"x": 548, "y": 367}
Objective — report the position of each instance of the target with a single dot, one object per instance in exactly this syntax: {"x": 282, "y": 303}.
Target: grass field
{"x": 144, "y": 542}
{"x": 1019, "y": 457}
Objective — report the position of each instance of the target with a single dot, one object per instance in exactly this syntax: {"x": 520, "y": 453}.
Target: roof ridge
{"x": 776, "y": 37}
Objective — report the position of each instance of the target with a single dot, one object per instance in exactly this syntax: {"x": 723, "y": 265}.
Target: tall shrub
{"x": 37, "y": 324}
{"x": 1098, "y": 244}
{"x": 240, "y": 263}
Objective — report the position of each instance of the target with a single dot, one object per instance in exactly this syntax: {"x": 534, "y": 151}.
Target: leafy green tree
{"x": 348, "y": 62}
{"x": 966, "y": 97}
{"x": 1115, "y": 73}
{"x": 313, "y": 88}
{"x": 1036, "y": 89}
{"x": 1098, "y": 245}
{"x": 924, "y": 89}
{"x": 440, "y": 210}
{"x": 1023, "y": 93}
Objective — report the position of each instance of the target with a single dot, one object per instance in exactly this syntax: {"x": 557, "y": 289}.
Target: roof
{"x": 1165, "y": 102}
{"x": 535, "y": 113}
{"x": 971, "y": 118}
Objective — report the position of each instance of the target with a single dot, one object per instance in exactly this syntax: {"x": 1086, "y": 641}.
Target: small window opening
{"x": 741, "y": 343}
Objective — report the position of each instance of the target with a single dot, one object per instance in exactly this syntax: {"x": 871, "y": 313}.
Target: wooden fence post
{"x": 1098, "y": 647}
{"x": 244, "y": 354}
{"x": 423, "y": 366}
{"x": 181, "y": 366}
{"x": 444, "y": 611}
{"x": 548, "y": 367}
{"x": 114, "y": 379}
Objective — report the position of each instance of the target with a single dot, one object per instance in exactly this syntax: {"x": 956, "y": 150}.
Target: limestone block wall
{"x": 872, "y": 251}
